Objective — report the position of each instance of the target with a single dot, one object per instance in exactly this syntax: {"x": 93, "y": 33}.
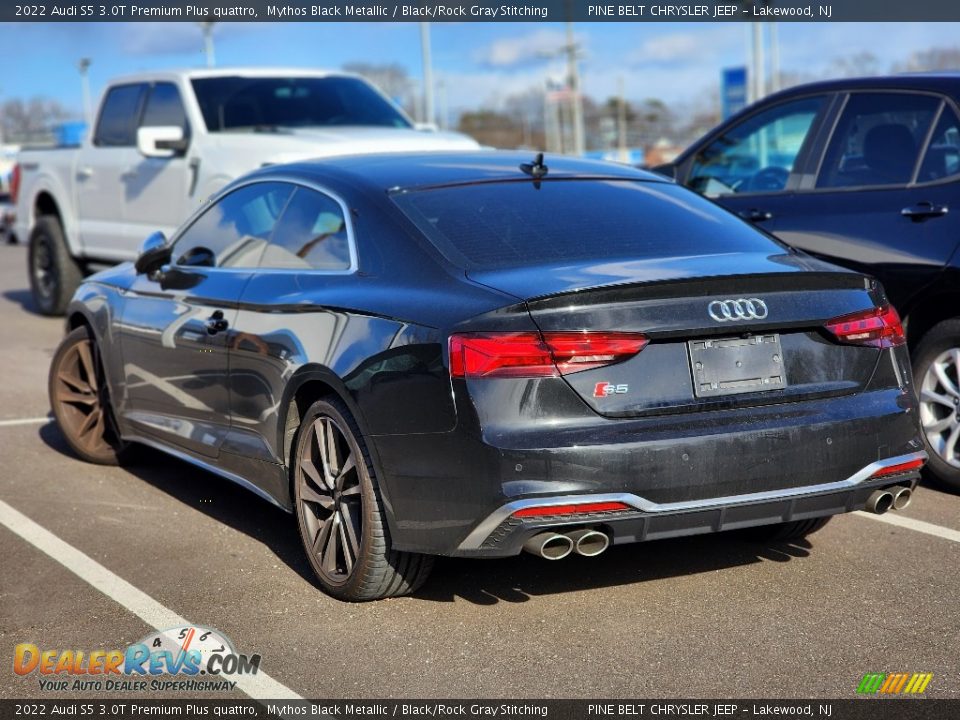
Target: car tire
{"x": 80, "y": 399}
{"x": 340, "y": 512}
{"x": 936, "y": 370}
{"x": 54, "y": 273}
{"x": 793, "y": 530}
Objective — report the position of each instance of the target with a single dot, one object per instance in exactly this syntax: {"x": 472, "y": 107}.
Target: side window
{"x": 877, "y": 140}
{"x": 942, "y": 159}
{"x": 233, "y": 232}
{"x": 117, "y": 125}
{"x": 164, "y": 107}
{"x": 758, "y": 154}
{"x": 312, "y": 234}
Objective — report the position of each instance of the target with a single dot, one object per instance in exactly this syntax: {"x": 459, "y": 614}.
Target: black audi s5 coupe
{"x": 481, "y": 353}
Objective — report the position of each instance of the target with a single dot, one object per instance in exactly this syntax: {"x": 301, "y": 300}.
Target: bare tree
{"x": 31, "y": 120}
{"x": 932, "y": 59}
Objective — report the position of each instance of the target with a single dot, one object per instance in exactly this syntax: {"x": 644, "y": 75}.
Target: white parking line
{"x": 259, "y": 687}
{"x": 26, "y": 421}
{"x": 912, "y": 524}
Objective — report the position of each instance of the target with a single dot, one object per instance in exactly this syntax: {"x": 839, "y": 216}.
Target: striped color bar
{"x": 894, "y": 683}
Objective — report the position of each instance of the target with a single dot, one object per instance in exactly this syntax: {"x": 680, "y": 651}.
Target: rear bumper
{"x": 502, "y": 534}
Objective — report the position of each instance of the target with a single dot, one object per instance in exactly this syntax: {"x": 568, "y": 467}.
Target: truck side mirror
{"x": 154, "y": 253}
{"x": 161, "y": 141}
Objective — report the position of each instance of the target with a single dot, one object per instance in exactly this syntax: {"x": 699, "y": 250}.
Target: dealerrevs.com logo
{"x": 172, "y": 659}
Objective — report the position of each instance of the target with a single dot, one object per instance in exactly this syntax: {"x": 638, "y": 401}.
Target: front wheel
{"x": 340, "y": 513}
{"x": 80, "y": 400}
{"x": 936, "y": 368}
{"x": 54, "y": 273}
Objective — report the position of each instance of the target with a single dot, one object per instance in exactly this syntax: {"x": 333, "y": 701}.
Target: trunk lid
{"x": 776, "y": 350}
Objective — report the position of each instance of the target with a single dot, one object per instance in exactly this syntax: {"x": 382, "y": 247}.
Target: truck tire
{"x": 936, "y": 371}
{"x": 54, "y": 274}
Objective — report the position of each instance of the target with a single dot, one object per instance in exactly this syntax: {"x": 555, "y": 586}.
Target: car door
{"x": 879, "y": 201}
{"x": 156, "y": 189}
{"x": 177, "y": 326}
{"x": 750, "y": 166}
{"x": 290, "y": 316}
{"x": 101, "y": 173}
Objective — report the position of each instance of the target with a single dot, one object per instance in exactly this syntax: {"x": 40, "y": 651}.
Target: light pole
{"x": 84, "y": 67}
{"x": 429, "y": 114}
{"x": 573, "y": 81}
{"x": 207, "y": 28}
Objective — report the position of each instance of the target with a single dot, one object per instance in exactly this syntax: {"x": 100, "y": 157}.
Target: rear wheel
{"x": 54, "y": 274}
{"x": 793, "y": 530}
{"x": 936, "y": 368}
{"x": 80, "y": 400}
{"x": 340, "y": 513}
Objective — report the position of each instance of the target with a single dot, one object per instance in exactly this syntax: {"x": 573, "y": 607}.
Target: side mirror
{"x": 153, "y": 254}
{"x": 668, "y": 169}
{"x": 162, "y": 141}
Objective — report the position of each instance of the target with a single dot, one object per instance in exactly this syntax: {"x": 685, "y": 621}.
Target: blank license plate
{"x": 736, "y": 365}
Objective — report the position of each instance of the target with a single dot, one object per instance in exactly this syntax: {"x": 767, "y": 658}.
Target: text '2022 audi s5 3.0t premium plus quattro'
{"x": 480, "y": 353}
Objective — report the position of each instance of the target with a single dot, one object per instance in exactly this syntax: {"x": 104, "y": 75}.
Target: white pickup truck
{"x": 164, "y": 141}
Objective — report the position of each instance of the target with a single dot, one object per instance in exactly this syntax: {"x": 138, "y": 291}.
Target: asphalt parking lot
{"x": 714, "y": 616}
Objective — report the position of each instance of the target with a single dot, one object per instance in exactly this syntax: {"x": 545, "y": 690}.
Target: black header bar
{"x": 480, "y": 11}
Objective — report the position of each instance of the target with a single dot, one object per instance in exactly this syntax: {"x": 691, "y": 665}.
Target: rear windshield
{"x": 268, "y": 103}
{"x": 513, "y": 224}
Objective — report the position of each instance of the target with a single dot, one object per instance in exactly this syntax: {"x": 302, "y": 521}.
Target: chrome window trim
{"x": 481, "y": 532}
{"x": 289, "y": 180}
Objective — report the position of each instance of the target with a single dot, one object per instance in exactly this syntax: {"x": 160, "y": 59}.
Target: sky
{"x": 480, "y": 63}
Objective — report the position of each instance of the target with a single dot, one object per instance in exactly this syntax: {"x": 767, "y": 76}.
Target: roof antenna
{"x": 536, "y": 169}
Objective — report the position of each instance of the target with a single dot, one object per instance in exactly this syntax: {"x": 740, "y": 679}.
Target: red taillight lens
{"x": 879, "y": 327}
{"x": 15, "y": 183}
{"x": 573, "y": 509}
{"x": 530, "y": 354}
{"x": 897, "y": 469}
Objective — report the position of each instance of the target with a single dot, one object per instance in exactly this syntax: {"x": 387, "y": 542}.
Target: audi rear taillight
{"x": 15, "y": 183}
{"x": 532, "y": 354}
{"x": 878, "y": 327}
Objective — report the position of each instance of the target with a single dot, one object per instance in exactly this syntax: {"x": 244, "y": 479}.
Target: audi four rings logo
{"x": 742, "y": 309}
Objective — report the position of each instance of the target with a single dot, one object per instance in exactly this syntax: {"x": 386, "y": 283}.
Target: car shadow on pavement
{"x": 522, "y": 578}
{"x": 482, "y": 582}
{"x": 24, "y": 298}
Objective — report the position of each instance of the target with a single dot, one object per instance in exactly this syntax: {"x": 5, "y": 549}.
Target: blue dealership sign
{"x": 733, "y": 91}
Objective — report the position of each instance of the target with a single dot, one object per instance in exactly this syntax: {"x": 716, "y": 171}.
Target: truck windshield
{"x": 267, "y": 103}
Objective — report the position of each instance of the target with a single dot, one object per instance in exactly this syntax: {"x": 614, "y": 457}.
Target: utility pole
{"x": 207, "y": 28}
{"x": 429, "y": 114}
{"x": 573, "y": 85}
{"x": 84, "y": 67}
{"x": 774, "y": 58}
{"x": 759, "y": 79}
{"x": 621, "y": 123}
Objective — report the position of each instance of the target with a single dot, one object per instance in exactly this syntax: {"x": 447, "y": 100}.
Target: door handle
{"x": 130, "y": 174}
{"x": 216, "y": 323}
{"x": 84, "y": 173}
{"x": 924, "y": 210}
{"x": 755, "y": 215}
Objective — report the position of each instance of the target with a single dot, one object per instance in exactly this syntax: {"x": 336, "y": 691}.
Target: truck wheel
{"x": 936, "y": 371}
{"x": 54, "y": 274}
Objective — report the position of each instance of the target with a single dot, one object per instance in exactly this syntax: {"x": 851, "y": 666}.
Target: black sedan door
{"x": 176, "y": 327}
{"x": 886, "y": 181}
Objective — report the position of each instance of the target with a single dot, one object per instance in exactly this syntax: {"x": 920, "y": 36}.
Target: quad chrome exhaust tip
{"x": 902, "y": 497}
{"x": 549, "y": 545}
{"x": 589, "y": 543}
{"x": 879, "y": 501}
